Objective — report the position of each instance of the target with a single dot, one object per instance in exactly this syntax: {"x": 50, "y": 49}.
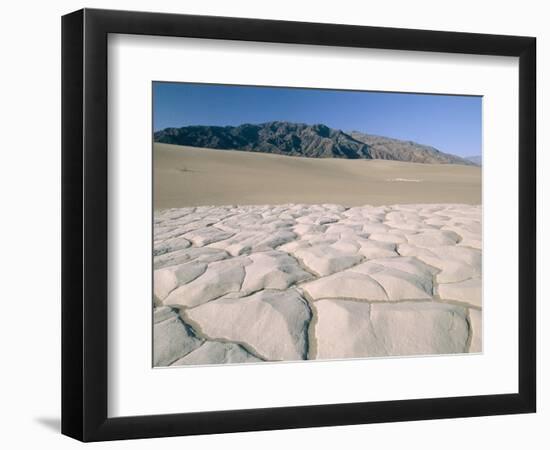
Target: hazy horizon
{"x": 450, "y": 123}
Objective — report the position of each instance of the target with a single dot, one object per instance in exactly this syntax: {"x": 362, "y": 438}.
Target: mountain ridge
{"x": 476, "y": 159}
{"x": 383, "y": 147}
{"x": 300, "y": 139}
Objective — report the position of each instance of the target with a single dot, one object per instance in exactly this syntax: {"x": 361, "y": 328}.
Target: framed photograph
{"x": 273, "y": 224}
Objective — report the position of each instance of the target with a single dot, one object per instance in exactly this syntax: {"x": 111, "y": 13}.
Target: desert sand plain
{"x": 263, "y": 257}
{"x": 187, "y": 176}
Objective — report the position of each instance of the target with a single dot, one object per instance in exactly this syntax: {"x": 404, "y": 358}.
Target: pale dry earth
{"x": 188, "y": 176}
{"x": 245, "y": 284}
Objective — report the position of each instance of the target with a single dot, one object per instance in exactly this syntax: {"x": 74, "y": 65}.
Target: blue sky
{"x": 450, "y": 123}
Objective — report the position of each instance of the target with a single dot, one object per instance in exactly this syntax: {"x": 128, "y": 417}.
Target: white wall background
{"x": 30, "y": 229}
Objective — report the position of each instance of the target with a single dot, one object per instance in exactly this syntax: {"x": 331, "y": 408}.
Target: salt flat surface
{"x": 242, "y": 284}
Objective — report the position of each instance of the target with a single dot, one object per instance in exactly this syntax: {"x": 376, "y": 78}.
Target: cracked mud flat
{"x": 245, "y": 284}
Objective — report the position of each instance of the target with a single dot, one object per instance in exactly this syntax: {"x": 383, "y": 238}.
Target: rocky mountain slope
{"x": 297, "y": 139}
{"x": 395, "y": 149}
{"x": 477, "y": 159}
{"x": 283, "y": 138}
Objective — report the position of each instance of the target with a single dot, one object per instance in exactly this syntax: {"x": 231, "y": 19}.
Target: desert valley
{"x": 286, "y": 242}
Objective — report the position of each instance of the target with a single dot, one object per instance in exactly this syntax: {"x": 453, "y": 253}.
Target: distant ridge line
{"x": 310, "y": 141}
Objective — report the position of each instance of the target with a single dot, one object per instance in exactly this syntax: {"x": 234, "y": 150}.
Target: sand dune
{"x": 187, "y": 176}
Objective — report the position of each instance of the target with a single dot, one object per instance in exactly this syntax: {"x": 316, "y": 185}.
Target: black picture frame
{"x": 84, "y": 224}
